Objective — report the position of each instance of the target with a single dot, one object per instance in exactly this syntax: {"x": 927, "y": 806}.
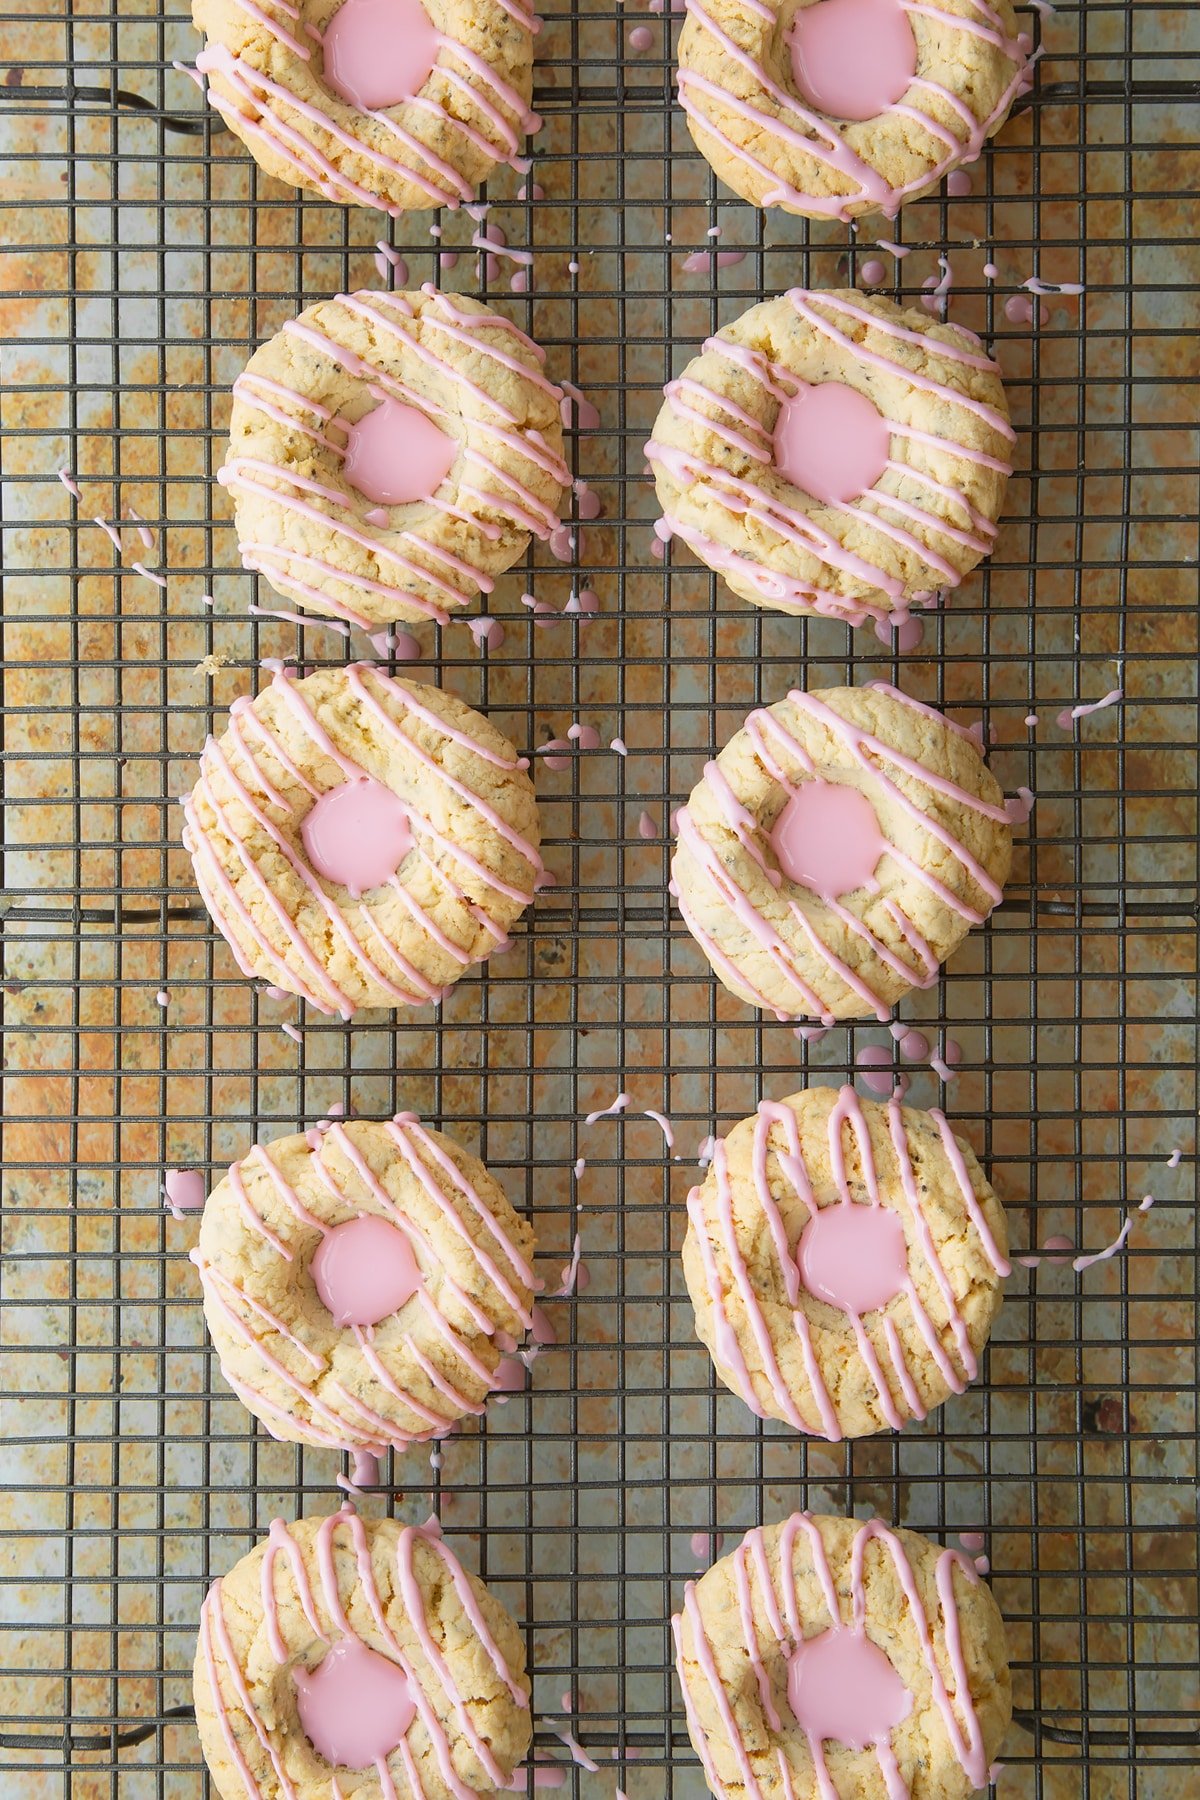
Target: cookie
{"x": 845, "y": 1260}
{"x": 828, "y": 1658}
{"x": 835, "y": 108}
{"x": 362, "y": 841}
{"x": 356, "y": 1659}
{"x": 392, "y": 104}
{"x": 831, "y": 453}
{"x": 839, "y": 850}
{"x": 391, "y": 454}
{"x": 360, "y": 1282}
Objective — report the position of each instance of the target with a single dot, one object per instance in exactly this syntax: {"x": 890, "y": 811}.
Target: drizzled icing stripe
{"x": 463, "y": 406}
{"x": 745, "y": 495}
{"x": 778, "y": 749}
{"x": 778, "y": 117}
{"x": 296, "y": 965}
{"x": 700, "y": 1672}
{"x": 429, "y": 1675}
{"x": 714, "y": 1213}
{"x": 342, "y": 1419}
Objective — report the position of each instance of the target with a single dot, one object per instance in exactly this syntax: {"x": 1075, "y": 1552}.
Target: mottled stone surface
{"x": 131, "y": 1473}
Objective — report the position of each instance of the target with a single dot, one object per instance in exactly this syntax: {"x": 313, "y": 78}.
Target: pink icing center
{"x": 379, "y": 52}
{"x": 395, "y": 454}
{"x": 355, "y": 1706}
{"x": 357, "y": 834}
{"x": 831, "y": 442}
{"x": 364, "y": 1270}
{"x": 853, "y": 59}
{"x": 842, "y": 1687}
{"x": 853, "y": 1256}
{"x": 827, "y": 838}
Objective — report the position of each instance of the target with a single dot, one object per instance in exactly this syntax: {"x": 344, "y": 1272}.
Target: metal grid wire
{"x": 141, "y": 266}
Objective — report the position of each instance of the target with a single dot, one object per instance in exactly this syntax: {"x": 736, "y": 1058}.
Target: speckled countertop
{"x": 139, "y": 269}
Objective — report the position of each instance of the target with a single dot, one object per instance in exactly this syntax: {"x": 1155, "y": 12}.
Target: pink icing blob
{"x": 186, "y": 1190}
{"x": 396, "y": 454}
{"x": 358, "y": 834}
{"x": 853, "y": 1256}
{"x": 830, "y": 441}
{"x": 355, "y": 1706}
{"x": 827, "y": 838}
{"x": 853, "y": 59}
{"x": 842, "y": 1687}
{"x": 364, "y": 1270}
{"x": 379, "y": 52}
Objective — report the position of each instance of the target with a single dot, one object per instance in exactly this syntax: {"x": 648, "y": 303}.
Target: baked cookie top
{"x": 838, "y": 850}
{"x": 357, "y": 1658}
{"x": 360, "y": 1281}
{"x": 845, "y": 1260}
{"x": 835, "y": 108}
{"x": 395, "y": 104}
{"x": 836, "y": 1657}
{"x": 361, "y": 840}
{"x": 391, "y": 453}
{"x": 833, "y": 453}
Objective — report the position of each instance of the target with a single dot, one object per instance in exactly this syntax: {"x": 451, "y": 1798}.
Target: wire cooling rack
{"x": 143, "y": 259}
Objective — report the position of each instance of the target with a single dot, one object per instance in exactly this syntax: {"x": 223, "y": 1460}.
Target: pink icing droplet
{"x": 873, "y": 272}
{"x": 877, "y": 1072}
{"x": 543, "y": 1331}
{"x": 641, "y": 38}
{"x": 1021, "y": 309}
{"x": 395, "y": 454}
{"x": 186, "y": 1190}
{"x": 355, "y": 1707}
{"x": 914, "y": 1046}
{"x": 364, "y": 1270}
{"x": 853, "y": 1256}
{"x": 853, "y": 59}
{"x": 827, "y": 838}
{"x": 706, "y": 1544}
{"x": 379, "y": 52}
{"x": 971, "y": 1540}
{"x": 488, "y": 633}
{"x": 830, "y": 441}
{"x": 357, "y": 834}
{"x": 842, "y": 1687}
{"x": 958, "y": 183}
{"x": 509, "y": 1376}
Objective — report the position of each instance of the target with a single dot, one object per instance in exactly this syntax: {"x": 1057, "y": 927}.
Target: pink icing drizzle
{"x": 379, "y": 52}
